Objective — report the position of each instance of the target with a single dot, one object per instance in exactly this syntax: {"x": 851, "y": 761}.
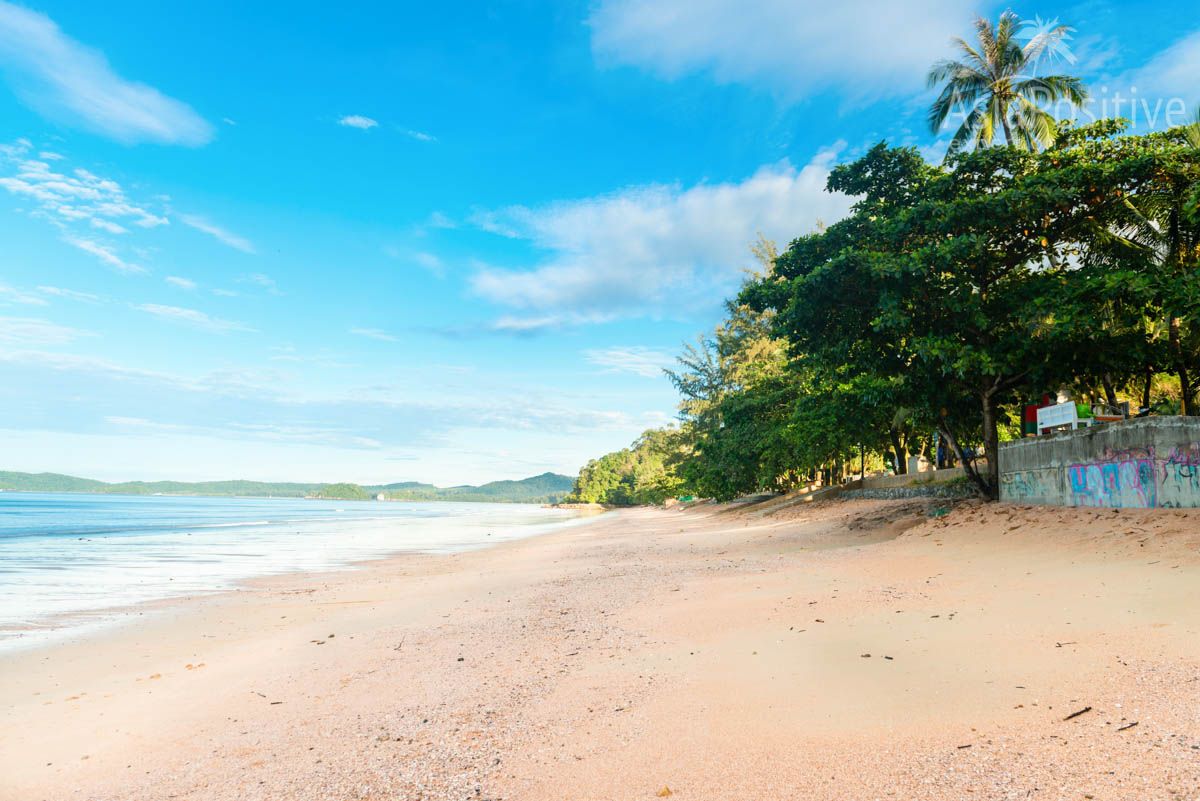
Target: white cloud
{"x": 192, "y": 317}
{"x": 109, "y": 226}
{"x": 104, "y": 253}
{"x": 430, "y": 262}
{"x": 68, "y": 80}
{"x": 70, "y": 294}
{"x": 373, "y": 333}
{"x": 796, "y": 47}
{"x": 420, "y": 136}
{"x": 1165, "y": 88}
{"x": 653, "y": 248}
{"x": 217, "y": 232}
{"x": 528, "y": 325}
{"x": 263, "y": 281}
{"x": 358, "y": 121}
{"x": 71, "y": 197}
{"x": 9, "y": 295}
{"x": 646, "y": 362}
{"x": 180, "y": 282}
{"x": 32, "y": 332}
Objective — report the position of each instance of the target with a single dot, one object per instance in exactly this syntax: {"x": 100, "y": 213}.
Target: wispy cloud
{"x": 104, "y": 253}
{"x": 638, "y": 360}
{"x": 68, "y": 198}
{"x": 193, "y": 318}
{"x": 10, "y": 296}
{"x": 420, "y": 136}
{"x": 69, "y": 81}
{"x": 798, "y": 48}
{"x": 654, "y": 248}
{"x": 430, "y": 262}
{"x": 373, "y": 333}
{"x": 29, "y": 332}
{"x": 69, "y": 294}
{"x": 181, "y": 282}
{"x": 262, "y": 281}
{"x": 217, "y": 232}
{"x": 358, "y": 121}
{"x": 1159, "y": 94}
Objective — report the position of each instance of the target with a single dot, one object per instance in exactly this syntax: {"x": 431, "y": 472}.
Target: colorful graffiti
{"x": 1136, "y": 478}
{"x": 1130, "y": 483}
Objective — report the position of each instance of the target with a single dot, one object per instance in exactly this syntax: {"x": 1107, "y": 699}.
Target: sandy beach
{"x": 845, "y": 650}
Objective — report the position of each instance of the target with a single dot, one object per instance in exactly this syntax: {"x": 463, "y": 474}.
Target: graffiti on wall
{"x": 1126, "y": 483}
{"x": 1138, "y": 478}
{"x": 1179, "y": 477}
{"x": 1028, "y": 486}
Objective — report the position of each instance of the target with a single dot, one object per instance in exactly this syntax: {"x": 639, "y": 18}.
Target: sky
{"x": 393, "y": 241}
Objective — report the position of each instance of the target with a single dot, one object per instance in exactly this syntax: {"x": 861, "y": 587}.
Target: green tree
{"x": 993, "y": 83}
{"x": 344, "y": 492}
{"x": 944, "y": 280}
{"x": 1151, "y": 253}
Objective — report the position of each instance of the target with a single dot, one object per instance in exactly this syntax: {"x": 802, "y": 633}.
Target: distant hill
{"x": 546, "y": 488}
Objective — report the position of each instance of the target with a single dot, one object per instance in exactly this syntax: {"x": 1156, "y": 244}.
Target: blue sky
{"x": 392, "y": 242}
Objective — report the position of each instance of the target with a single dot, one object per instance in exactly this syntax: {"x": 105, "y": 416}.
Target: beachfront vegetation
{"x": 1066, "y": 258}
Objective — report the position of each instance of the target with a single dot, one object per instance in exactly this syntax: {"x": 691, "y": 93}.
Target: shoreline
{"x": 66, "y": 627}
{"x": 709, "y": 652}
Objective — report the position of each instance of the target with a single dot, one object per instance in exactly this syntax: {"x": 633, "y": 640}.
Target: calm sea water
{"x": 68, "y": 562}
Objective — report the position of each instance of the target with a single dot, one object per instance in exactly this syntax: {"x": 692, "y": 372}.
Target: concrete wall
{"x": 888, "y": 482}
{"x": 1149, "y": 463}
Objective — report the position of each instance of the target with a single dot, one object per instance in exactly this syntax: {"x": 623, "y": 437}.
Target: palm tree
{"x": 993, "y": 82}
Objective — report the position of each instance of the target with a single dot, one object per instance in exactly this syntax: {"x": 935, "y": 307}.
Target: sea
{"x": 70, "y": 563}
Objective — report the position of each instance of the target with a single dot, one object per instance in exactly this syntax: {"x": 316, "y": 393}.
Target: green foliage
{"x": 343, "y": 492}
{"x": 642, "y": 474}
{"x": 950, "y": 295}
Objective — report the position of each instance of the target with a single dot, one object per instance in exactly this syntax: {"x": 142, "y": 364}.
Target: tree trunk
{"x": 1146, "y": 391}
{"x": 1187, "y": 403}
{"x": 967, "y": 463}
{"x": 1110, "y": 392}
{"x": 900, "y": 453}
{"x": 991, "y": 447}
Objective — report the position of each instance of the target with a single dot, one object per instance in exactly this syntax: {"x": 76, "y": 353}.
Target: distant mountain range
{"x": 546, "y": 488}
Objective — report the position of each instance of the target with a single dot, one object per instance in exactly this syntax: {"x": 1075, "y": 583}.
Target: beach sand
{"x": 843, "y": 650}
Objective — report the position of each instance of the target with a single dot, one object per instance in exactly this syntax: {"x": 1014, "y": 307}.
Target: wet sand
{"x": 846, "y": 650}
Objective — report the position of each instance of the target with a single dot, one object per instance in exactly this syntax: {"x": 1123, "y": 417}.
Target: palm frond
{"x": 1008, "y": 58}
{"x": 964, "y": 86}
{"x": 1034, "y": 125}
{"x": 973, "y": 56}
{"x": 1050, "y": 88}
{"x": 986, "y": 35}
{"x": 968, "y": 132}
{"x": 1192, "y": 132}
